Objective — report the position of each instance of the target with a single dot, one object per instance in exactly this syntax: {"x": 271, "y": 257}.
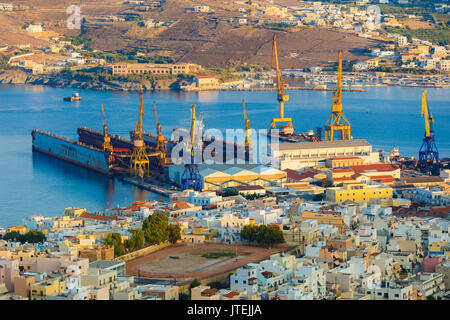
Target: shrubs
{"x": 262, "y": 234}
{"x": 31, "y": 236}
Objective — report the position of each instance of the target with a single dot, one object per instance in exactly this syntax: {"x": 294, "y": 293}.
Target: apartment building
{"x": 358, "y": 192}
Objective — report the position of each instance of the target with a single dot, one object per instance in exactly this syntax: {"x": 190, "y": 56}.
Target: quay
{"x": 146, "y": 186}
{"x": 267, "y": 89}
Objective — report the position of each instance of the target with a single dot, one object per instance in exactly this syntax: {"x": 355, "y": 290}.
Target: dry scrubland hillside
{"x": 207, "y": 39}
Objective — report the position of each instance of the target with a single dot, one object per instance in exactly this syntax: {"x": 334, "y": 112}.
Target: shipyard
{"x": 200, "y": 151}
{"x": 146, "y": 160}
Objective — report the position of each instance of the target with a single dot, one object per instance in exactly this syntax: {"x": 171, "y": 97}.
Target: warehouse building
{"x": 220, "y": 176}
{"x": 309, "y": 154}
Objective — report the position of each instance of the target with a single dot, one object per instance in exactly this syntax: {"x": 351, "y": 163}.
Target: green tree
{"x": 262, "y": 234}
{"x": 11, "y": 236}
{"x": 31, "y": 236}
{"x": 156, "y": 228}
{"x": 230, "y": 192}
{"x": 136, "y": 240}
{"x": 195, "y": 283}
{"x": 183, "y": 296}
{"x": 115, "y": 239}
{"x": 174, "y": 233}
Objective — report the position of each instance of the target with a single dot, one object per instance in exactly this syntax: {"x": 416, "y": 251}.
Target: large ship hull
{"x": 70, "y": 151}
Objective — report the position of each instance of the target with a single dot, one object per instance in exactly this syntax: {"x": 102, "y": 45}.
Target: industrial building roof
{"x": 422, "y": 179}
{"x": 105, "y": 264}
{"x": 323, "y": 144}
{"x": 223, "y": 170}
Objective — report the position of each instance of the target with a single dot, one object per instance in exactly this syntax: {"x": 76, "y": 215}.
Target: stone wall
{"x": 142, "y": 252}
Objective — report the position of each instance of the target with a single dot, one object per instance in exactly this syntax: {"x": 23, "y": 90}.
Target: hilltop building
{"x": 123, "y": 68}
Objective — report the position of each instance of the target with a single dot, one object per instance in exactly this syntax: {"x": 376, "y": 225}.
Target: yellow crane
{"x": 160, "y": 140}
{"x": 106, "y": 138}
{"x": 139, "y": 162}
{"x": 191, "y": 177}
{"x": 247, "y": 127}
{"x": 338, "y": 120}
{"x": 428, "y": 117}
{"x": 281, "y": 90}
{"x": 428, "y": 152}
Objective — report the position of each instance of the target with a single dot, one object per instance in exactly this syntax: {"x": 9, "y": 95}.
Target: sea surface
{"x": 35, "y": 184}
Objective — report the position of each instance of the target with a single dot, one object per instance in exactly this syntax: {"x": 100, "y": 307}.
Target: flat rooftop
{"x": 103, "y": 264}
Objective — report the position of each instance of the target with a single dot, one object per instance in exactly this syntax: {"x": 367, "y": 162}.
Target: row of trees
{"x": 31, "y": 236}
{"x": 262, "y": 234}
{"x": 156, "y": 229}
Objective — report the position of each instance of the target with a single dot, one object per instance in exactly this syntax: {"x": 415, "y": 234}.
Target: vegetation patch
{"x": 174, "y": 257}
{"x": 217, "y": 255}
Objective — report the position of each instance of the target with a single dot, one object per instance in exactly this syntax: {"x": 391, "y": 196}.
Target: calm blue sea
{"x": 36, "y": 184}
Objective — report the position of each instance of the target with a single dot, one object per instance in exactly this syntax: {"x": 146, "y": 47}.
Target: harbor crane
{"x": 160, "y": 141}
{"x": 338, "y": 120}
{"x": 282, "y": 97}
{"x": 139, "y": 164}
{"x": 107, "y": 146}
{"x": 428, "y": 153}
{"x": 191, "y": 178}
{"x": 247, "y": 127}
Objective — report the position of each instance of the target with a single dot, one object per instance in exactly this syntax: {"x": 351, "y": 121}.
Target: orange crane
{"x": 338, "y": 120}
{"x": 247, "y": 127}
{"x": 107, "y": 146}
{"x": 160, "y": 141}
{"x": 281, "y": 90}
{"x": 139, "y": 164}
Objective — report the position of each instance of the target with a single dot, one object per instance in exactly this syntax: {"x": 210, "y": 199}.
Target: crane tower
{"x": 247, "y": 128}
{"x": 107, "y": 146}
{"x": 191, "y": 178}
{"x": 428, "y": 153}
{"x": 139, "y": 164}
{"x": 338, "y": 120}
{"x": 160, "y": 141}
{"x": 282, "y": 97}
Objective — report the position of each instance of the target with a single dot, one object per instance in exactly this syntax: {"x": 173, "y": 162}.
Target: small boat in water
{"x": 74, "y": 97}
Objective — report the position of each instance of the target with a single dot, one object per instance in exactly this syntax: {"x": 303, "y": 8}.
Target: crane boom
{"x": 156, "y": 114}
{"x": 139, "y": 123}
{"x": 247, "y": 125}
{"x": 427, "y": 115}
{"x": 275, "y": 57}
{"x": 337, "y": 94}
{"x": 106, "y": 139}
{"x": 192, "y": 143}
{"x": 103, "y": 118}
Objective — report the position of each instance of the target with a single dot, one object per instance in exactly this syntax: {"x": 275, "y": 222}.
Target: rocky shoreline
{"x": 21, "y": 77}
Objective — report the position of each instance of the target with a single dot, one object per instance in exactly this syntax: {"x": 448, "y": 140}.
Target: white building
{"x": 201, "y": 9}
{"x": 402, "y": 41}
{"x": 34, "y": 28}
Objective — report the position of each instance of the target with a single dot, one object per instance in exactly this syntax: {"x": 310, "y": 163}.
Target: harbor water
{"x": 36, "y": 184}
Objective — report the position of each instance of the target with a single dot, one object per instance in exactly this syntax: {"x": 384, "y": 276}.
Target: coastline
{"x": 21, "y": 77}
